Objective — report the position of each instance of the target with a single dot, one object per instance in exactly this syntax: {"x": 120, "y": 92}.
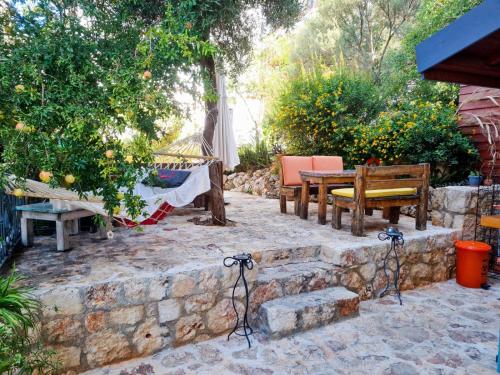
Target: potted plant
{"x": 475, "y": 178}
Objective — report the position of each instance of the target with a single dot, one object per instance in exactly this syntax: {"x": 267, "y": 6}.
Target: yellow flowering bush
{"x": 315, "y": 114}
{"x": 414, "y": 132}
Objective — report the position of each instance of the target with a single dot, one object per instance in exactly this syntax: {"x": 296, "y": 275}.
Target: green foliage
{"x": 415, "y": 132}
{"x": 400, "y": 77}
{"x": 20, "y": 353}
{"x": 254, "y": 156}
{"x": 231, "y": 25}
{"x": 315, "y": 114}
{"x": 75, "y": 77}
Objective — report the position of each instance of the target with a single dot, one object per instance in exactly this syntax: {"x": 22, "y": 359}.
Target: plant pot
{"x": 488, "y": 181}
{"x": 475, "y": 180}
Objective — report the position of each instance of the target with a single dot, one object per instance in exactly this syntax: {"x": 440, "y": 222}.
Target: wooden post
{"x": 217, "y": 193}
{"x": 421, "y": 214}
{"x": 358, "y": 211}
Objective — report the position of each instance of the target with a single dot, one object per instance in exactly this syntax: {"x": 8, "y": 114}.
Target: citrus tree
{"x": 76, "y": 77}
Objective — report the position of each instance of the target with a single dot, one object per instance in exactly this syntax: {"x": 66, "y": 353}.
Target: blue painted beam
{"x": 473, "y": 26}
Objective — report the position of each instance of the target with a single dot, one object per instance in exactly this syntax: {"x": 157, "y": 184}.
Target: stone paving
{"x": 178, "y": 244}
{"x": 441, "y": 329}
{"x": 141, "y": 292}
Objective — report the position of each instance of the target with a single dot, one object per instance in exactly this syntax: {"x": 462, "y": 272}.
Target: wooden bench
{"x": 66, "y": 222}
{"x": 384, "y": 187}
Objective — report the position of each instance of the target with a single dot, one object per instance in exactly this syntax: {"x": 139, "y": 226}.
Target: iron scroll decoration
{"x": 397, "y": 240}
{"x": 242, "y": 327}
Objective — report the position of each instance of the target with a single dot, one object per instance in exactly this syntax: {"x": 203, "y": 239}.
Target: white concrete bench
{"x": 67, "y": 222}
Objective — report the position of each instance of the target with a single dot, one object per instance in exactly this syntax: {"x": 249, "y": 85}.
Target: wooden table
{"x": 66, "y": 222}
{"x": 322, "y": 179}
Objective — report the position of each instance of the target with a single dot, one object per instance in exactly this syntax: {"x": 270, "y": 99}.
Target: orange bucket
{"x": 472, "y": 263}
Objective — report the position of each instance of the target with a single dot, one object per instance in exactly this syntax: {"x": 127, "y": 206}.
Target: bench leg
{"x": 75, "y": 226}
{"x": 358, "y": 219}
{"x": 27, "y": 233}
{"x": 63, "y": 229}
{"x": 337, "y": 216}
{"x": 104, "y": 229}
{"x": 394, "y": 215}
{"x": 296, "y": 203}
{"x": 283, "y": 203}
{"x": 369, "y": 211}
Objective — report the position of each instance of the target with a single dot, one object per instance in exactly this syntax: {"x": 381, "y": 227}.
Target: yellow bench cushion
{"x": 379, "y": 193}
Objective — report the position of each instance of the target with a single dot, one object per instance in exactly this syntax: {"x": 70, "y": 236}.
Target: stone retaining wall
{"x": 262, "y": 182}
{"x": 423, "y": 260}
{"x": 458, "y": 207}
{"x": 93, "y": 325}
{"x": 90, "y": 326}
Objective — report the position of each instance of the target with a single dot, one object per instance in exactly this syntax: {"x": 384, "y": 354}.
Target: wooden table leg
{"x": 322, "y": 203}
{"x": 27, "y": 233}
{"x": 304, "y": 200}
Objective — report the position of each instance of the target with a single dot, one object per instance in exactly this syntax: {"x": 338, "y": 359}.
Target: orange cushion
{"x": 328, "y": 163}
{"x": 291, "y": 165}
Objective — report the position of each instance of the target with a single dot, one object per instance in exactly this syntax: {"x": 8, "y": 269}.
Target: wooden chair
{"x": 384, "y": 187}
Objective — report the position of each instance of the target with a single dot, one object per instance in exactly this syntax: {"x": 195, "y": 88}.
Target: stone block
{"x": 169, "y": 310}
{"x": 67, "y": 329}
{"x": 264, "y": 293}
{"x": 95, "y": 321}
{"x": 280, "y": 319}
{"x": 222, "y": 317}
{"x": 209, "y": 280}
{"x": 187, "y": 328}
{"x": 458, "y": 199}
{"x": 149, "y": 337}
{"x": 103, "y": 296}
{"x": 135, "y": 290}
{"x": 182, "y": 285}
{"x": 158, "y": 288}
{"x": 199, "y": 302}
{"x": 127, "y": 315}
{"x": 68, "y": 356}
{"x": 367, "y": 271}
{"x": 64, "y": 301}
{"x": 105, "y": 347}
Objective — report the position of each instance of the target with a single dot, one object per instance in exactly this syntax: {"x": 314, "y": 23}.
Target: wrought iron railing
{"x": 10, "y": 228}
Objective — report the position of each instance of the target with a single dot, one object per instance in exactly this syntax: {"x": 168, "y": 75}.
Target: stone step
{"x": 295, "y": 278}
{"x": 282, "y": 256}
{"x": 286, "y": 315}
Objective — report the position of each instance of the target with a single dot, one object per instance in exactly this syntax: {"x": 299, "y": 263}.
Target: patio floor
{"x": 107, "y": 301}
{"x": 441, "y": 329}
{"x": 177, "y": 245}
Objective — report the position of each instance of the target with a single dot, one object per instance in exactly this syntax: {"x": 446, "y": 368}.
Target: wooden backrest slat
{"x": 396, "y": 170}
{"x": 391, "y": 177}
{"x": 394, "y": 183}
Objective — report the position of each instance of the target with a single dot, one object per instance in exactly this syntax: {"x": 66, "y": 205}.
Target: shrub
{"x": 417, "y": 132}
{"x": 315, "y": 114}
{"x": 254, "y": 156}
{"x": 20, "y": 353}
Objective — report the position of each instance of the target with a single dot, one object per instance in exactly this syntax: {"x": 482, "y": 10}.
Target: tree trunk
{"x": 211, "y": 111}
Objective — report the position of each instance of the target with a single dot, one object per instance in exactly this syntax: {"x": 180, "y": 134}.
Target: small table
{"x": 66, "y": 222}
{"x": 322, "y": 179}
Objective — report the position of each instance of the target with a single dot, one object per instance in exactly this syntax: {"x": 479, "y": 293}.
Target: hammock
{"x": 160, "y": 202}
